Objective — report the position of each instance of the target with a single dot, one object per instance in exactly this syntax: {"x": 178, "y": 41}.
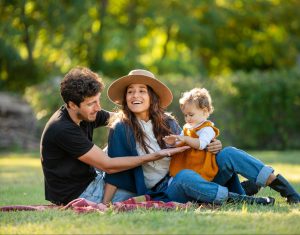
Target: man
{"x": 68, "y": 155}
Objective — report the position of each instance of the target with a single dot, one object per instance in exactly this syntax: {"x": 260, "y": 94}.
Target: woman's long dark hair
{"x": 156, "y": 114}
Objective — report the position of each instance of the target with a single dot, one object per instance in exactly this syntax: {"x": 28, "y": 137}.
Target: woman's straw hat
{"x": 117, "y": 89}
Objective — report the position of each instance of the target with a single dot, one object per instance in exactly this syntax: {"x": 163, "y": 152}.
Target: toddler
{"x": 198, "y": 132}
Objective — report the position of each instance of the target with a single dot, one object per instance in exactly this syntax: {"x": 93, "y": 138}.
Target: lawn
{"x": 21, "y": 181}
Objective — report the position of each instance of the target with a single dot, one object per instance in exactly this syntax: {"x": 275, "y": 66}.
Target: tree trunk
{"x": 26, "y": 38}
{"x": 97, "y": 58}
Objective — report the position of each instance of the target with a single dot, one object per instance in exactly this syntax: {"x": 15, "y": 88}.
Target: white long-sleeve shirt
{"x": 206, "y": 134}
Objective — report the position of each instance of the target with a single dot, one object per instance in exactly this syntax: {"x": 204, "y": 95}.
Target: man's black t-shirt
{"x": 62, "y": 142}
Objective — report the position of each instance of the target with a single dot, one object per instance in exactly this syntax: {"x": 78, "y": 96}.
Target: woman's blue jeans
{"x": 187, "y": 185}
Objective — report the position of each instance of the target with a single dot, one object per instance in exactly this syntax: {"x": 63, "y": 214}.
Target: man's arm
{"x": 98, "y": 159}
{"x": 112, "y": 114}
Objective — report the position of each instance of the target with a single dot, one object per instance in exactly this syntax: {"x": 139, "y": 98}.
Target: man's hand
{"x": 171, "y": 151}
{"x": 215, "y": 146}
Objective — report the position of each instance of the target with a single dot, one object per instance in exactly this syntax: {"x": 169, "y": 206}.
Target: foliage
{"x": 41, "y": 38}
{"x": 44, "y": 99}
{"x": 21, "y": 180}
{"x": 256, "y": 110}
{"x": 262, "y": 108}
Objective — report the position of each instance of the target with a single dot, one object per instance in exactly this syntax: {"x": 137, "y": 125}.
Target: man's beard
{"x": 83, "y": 118}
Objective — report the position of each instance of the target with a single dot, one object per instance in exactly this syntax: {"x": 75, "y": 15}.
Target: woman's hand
{"x": 215, "y": 146}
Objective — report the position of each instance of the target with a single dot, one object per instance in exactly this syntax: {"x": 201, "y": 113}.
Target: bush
{"x": 258, "y": 110}
{"x": 261, "y": 110}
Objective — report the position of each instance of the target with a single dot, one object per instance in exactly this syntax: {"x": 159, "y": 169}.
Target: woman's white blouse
{"x": 153, "y": 171}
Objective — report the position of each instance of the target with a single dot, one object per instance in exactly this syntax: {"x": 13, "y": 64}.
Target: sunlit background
{"x": 245, "y": 52}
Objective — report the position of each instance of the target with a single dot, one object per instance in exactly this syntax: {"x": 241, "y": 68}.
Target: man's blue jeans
{"x": 187, "y": 185}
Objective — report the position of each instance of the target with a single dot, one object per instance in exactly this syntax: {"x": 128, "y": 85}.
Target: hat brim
{"x": 117, "y": 89}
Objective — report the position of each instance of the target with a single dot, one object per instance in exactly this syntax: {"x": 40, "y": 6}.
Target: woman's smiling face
{"x": 138, "y": 100}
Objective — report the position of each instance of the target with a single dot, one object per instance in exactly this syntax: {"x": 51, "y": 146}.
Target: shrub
{"x": 261, "y": 110}
{"x": 257, "y": 110}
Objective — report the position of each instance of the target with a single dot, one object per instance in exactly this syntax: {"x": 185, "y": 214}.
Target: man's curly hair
{"x": 79, "y": 83}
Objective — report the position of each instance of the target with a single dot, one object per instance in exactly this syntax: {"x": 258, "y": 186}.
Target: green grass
{"x": 21, "y": 182}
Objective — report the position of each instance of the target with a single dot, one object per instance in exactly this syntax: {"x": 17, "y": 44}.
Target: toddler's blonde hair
{"x": 198, "y": 96}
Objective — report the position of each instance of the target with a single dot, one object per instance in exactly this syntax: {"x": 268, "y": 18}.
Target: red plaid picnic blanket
{"x": 82, "y": 205}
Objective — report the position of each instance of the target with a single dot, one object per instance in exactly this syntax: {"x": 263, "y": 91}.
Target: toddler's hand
{"x": 170, "y": 139}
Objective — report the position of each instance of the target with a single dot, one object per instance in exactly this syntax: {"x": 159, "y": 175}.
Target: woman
{"x": 141, "y": 128}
